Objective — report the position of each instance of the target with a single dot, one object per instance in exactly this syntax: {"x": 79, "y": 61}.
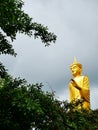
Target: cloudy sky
{"x": 75, "y": 22}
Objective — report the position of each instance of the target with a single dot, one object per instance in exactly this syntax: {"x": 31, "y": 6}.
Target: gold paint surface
{"x": 79, "y": 86}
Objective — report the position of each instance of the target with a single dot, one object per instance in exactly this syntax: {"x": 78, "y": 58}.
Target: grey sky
{"x": 75, "y": 22}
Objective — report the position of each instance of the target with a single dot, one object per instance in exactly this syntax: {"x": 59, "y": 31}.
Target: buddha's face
{"x": 76, "y": 70}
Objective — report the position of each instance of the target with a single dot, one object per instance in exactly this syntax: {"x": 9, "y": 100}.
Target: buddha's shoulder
{"x": 81, "y": 78}
{"x": 78, "y": 78}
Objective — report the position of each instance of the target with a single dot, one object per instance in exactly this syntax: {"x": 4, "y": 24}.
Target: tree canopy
{"x": 14, "y": 20}
{"x": 25, "y": 106}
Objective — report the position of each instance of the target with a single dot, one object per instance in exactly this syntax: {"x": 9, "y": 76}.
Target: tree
{"x": 25, "y": 106}
{"x": 13, "y": 20}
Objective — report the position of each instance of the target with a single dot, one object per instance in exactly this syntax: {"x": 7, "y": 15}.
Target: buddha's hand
{"x": 75, "y": 84}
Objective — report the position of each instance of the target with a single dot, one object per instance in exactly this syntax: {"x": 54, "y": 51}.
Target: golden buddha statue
{"x": 79, "y": 85}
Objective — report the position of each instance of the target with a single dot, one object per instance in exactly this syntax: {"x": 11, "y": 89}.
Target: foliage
{"x": 25, "y": 106}
{"x": 3, "y": 71}
{"x": 13, "y": 20}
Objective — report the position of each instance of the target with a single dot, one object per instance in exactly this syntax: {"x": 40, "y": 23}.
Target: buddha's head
{"x": 76, "y": 68}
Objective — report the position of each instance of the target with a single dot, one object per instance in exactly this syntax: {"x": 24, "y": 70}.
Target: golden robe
{"x": 82, "y": 93}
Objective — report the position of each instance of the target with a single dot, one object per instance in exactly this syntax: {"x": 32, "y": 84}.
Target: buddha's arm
{"x": 85, "y": 91}
{"x": 73, "y": 82}
{"x": 84, "y": 86}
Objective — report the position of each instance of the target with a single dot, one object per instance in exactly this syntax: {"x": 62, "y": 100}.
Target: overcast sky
{"x": 75, "y": 22}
